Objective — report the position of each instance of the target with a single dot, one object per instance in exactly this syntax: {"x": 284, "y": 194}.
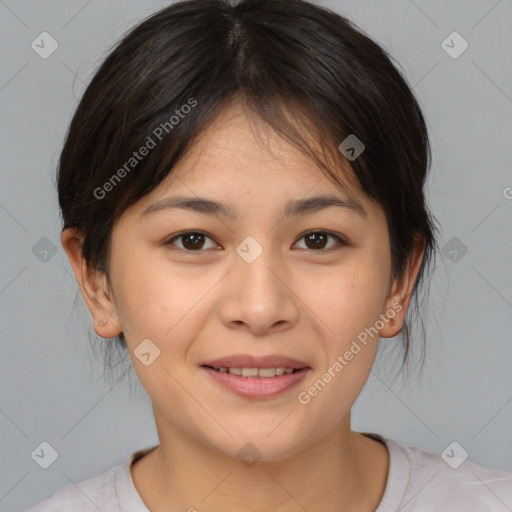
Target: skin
{"x": 292, "y": 300}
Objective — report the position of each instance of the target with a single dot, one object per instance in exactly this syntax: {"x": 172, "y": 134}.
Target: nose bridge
{"x": 255, "y": 268}
{"x": 258, "y": 296}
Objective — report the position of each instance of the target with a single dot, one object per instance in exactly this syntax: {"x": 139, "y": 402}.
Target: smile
{"x": 256, "y": 386}
{"x": 256, "y": 372}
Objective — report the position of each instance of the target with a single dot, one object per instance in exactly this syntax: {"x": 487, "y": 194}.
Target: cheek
{"x": 162, "y": 304}
{"x": 350, "y": 298}
{"x": 155, "y": 300}
{"x": 351, "y": 303}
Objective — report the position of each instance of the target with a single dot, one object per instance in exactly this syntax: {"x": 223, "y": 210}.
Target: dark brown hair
{"x": 301, "y": 68}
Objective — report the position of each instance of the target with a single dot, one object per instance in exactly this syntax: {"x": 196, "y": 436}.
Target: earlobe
{"x": 398, "y": 301}
{"x": 93, "y": 285}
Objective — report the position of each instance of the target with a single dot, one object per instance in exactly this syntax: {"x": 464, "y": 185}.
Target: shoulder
{"x": 85, "y": 496}
{"x": 111, "y": 491}
{"x": 450, "y": 481}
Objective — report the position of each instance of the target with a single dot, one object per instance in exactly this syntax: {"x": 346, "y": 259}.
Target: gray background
{"x": 51, "y": 392}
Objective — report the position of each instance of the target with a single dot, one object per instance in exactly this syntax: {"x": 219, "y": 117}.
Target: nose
{"x": 259, "y": 297}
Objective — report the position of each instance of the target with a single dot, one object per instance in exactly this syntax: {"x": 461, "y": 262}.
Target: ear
{"x": 93, "y": 285}
{"x": 401, "y": 291}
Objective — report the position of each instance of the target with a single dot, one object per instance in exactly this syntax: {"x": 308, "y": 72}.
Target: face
{"x": 275, "y": 286}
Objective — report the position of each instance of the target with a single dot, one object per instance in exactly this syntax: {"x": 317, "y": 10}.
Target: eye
{"x": 196, "y": 241}
{"x": 191, "y": 241}
{"x": 317, "y": 240}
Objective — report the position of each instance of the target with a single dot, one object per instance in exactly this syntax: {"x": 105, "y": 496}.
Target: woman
{"x": 242, "y": 195}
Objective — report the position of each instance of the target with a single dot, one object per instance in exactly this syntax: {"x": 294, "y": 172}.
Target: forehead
{"x": 240, "y": 151}
{"x": 241, "y": 164}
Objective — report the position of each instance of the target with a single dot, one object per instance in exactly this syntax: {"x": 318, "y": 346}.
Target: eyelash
{"x": 339, "y": 239}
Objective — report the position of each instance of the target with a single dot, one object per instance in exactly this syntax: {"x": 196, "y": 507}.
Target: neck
{"x": 344, "y": 471}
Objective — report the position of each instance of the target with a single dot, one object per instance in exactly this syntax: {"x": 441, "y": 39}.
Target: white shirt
{"x": 418, "y": 481}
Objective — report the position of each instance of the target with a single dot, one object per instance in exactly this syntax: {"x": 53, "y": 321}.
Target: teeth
{"x": 249, "y": 372}
{"x": 256, "y": 372}
{"x": 268, "y": 372}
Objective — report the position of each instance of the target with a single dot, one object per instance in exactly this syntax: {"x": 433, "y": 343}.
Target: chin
{"x": 264, "y": 442}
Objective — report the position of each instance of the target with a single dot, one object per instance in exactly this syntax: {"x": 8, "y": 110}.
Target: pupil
{"x": 194, "y": 239}
{"x": 318, "y": 239}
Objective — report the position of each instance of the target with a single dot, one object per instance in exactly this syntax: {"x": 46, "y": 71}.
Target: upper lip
{"x": 248, "y": 361}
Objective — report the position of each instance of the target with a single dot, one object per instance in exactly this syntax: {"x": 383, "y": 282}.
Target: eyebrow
{"x": 295, "y": 208}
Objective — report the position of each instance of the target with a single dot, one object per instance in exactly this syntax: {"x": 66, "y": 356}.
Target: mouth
{"x": 256, "y": 377}
{"x": 264, "y": 373}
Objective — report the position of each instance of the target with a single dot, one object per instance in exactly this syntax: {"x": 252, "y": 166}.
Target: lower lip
{"x": 257, "y": 387}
